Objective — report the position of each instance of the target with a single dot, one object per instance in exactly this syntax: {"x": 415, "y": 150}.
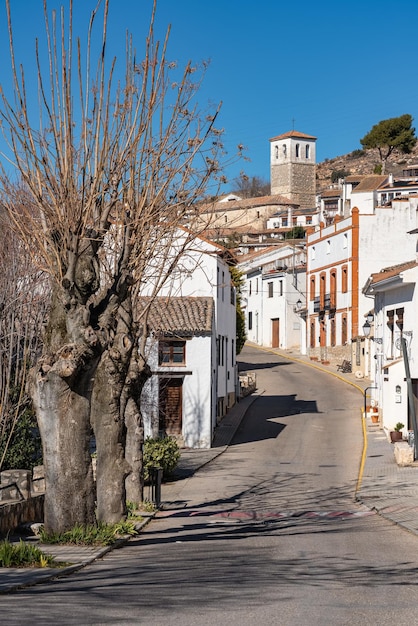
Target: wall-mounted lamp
{"x": 366, "y": 328}
{"x": 299, "y": 305}
{"x": 366, "y": 332}
{"x": 369, "y": 317}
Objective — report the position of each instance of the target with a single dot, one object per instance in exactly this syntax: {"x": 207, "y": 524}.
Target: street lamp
{"x": 366, "y": 328}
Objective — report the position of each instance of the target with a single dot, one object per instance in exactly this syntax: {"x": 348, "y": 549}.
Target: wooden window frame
{"x": 167, "y": 348}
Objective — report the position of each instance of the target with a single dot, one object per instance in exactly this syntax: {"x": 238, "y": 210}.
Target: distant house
{"x": 340, "y": 258}
{"x": 274, "y": 296}
{"x": 180, "y": 398}
{"x": 191, "y": 345}
{"x": 292, "y": 201}
{"x": 394, "y": 297}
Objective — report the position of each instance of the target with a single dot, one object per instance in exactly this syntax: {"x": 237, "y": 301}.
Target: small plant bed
{"x": 24, "y": 555}
{"x": 135, "y": 511}
{"x": 91, "y": 535}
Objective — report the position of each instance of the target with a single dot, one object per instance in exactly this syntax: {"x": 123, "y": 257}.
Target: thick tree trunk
{"x": 63, "y": 413}
{"x": 139, "y": 372}
{"x": 133, "y": 453}
{"x": 108, "y": 417}
{"x": 110, "y": 433}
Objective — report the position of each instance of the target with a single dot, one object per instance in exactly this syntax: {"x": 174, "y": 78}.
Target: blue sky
{"x": 329, "y": 69}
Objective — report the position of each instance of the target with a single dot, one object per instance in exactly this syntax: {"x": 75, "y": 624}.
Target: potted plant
{"x": 375, "y": 415}
{"x": 396, "y": 434}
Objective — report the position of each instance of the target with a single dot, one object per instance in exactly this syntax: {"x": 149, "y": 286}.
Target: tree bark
{"x": 63, "y": 412}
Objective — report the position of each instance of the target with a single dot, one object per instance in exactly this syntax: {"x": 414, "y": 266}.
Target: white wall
{"x": 287, "y": 287}
{"x": 388, "y": 369}
{"x": 198, "y": 406}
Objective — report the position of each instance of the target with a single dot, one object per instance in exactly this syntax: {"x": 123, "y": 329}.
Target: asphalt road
{"x": 268, "y": 533}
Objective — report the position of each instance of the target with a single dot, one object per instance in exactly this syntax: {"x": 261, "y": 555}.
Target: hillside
{"x": 362, "y": 162}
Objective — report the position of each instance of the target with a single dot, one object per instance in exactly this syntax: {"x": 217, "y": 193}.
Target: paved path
{"x": 383, "y": 487}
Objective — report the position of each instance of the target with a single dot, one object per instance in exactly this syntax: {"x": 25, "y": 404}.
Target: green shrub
{"x": 23, "y": 555}
{"x": 162, "y": 453}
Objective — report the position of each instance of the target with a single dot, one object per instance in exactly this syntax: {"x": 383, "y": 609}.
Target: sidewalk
{"x": 383, "y": 486}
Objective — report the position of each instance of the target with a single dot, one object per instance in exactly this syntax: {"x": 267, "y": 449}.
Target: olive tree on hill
{"x": 109, "y": 168}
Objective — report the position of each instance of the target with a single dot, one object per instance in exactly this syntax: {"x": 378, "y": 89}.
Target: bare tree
{"x": 110, "y": 170}
{"x": 251, "y": 186}
{"x": 23, "y": 303}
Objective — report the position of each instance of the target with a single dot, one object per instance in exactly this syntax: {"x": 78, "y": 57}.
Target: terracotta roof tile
{"x": 293, "y": 133}
{"x": 370, "y": 183}
{"x": 390, "y": 272}
{"x": 331, "y": 193}
{"x": 247, "y": 203}
{"x": 181, "y": 316}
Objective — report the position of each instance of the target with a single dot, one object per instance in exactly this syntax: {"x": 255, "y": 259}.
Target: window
{"x": 284, "y": 150}
{"x": 344, "y": 279}
{"x": 328, "y": 247}
{"x": 322, "y": 285}
{"x": 307, "y": 151}
{"x": 297, "y": 150}
{"x": 313, "y": 253}
{"x": 343, "y": 330}
{"x": 284, "y": 222}
{"x": 312, "y": 334}
{"x": 223, "y": 286}
{"x": 277, "y": 151}
{"x": 270, "y": 290}
{"x": 391, "y": 326}
{"x": 309, "y": 219}
{"x": 312, "y": 288}
{"x": 226, "y": 219}
{"x": 256, "y": 285}
{"x": 280, "y": 288}
{"x": 333, "y": 289}
{"x": 172, "y": 353}
{"x": 250, "y": 290}
{"x": 345, "y": 240}
{"x": 332, "y": 332}
{"x": 250, "y": 320}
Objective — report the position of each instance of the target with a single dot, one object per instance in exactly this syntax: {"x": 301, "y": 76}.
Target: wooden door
{"x": 171, "y": 405}
{"x": 275, "y": 333}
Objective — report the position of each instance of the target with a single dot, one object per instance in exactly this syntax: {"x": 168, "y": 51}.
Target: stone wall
{"x": 15, "y": 514}
{"x": 21, "y": 498}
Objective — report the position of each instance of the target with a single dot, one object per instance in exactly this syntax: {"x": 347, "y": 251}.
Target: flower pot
{"x": 375, "y": 418}
{"x": 395, "y": 435}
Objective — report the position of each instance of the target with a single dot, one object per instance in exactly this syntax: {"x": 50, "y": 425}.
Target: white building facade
{"x": 274, "y": 296}
{"x": 206, "y": 384}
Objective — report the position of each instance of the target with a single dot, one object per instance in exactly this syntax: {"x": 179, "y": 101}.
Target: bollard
{"x": 156, "y": 475}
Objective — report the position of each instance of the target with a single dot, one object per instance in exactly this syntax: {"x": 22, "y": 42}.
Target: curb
{"x": 70, "y": 569}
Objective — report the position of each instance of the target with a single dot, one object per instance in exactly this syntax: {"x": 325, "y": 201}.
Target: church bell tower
{"x": 293, "y": 168}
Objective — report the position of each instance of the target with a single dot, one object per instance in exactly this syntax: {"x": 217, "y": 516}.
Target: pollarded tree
{"x": 388, "y": 135}
{"x": 108, "y": 171}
